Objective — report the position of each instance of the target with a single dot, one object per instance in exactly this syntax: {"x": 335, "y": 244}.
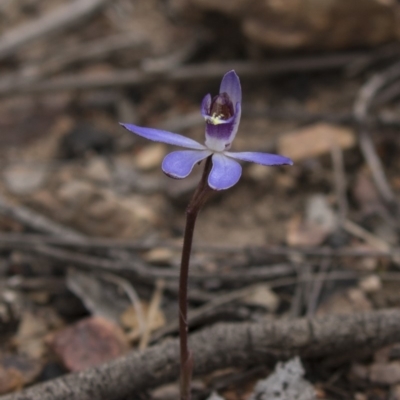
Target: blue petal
{"x": 158, "y": 135}
{"x": 260, "y": 158}
{"x": 236, "y": 122}
{"x": 230, "y": 84}
{"x": 205, "y": 105}
{"x": 179, "y": 164}
{"x": 225, "y": 172}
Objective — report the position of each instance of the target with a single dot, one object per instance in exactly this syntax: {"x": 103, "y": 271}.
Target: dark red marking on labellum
{"x": 221, "y": 106}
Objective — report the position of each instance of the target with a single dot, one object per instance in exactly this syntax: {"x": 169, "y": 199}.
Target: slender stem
{"x": 199, "y": 198}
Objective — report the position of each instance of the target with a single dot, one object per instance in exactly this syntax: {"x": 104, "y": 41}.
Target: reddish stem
{"x": 200, "y": 196}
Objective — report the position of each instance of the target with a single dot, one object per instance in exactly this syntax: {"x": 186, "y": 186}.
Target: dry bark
{"x": 222, "y": 346}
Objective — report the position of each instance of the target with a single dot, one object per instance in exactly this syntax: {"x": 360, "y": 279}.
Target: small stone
{"x": 98, "y": 171}
{"x": 263, "y": 296}
{"x": 102, "y": 209}
{"x": 88, "y": 343}
{"x": 360, "y": 396}
{"x": 24, "y": 179}
{"x": 150, "y": 157}
{"x": 258, "y": 172}
{"x": 159, "y": 255}
{"x": 142, "y": 208}
{"x": 367, "y": 264}
{"x": 319, "y": 211}
{"x": 74, "y": 192}
{"x": 385, "y": 374}
{"x": 370, "y": 284}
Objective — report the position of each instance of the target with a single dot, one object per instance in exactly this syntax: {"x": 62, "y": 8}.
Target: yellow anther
{"x": 216, "y": 119}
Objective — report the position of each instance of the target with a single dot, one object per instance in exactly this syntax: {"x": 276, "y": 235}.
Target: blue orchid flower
{"x": 222, "y": 116}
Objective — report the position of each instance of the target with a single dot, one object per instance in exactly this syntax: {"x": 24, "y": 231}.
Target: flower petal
{"x": 230, "y": 84}
{"x": 225, "y": 172}
{"x": 205, "y": 105}
{"x": 260, "y": 158}
{"x": 236, "y": 122}
{"x": 220, "y": 137}
{"x": 179, "y": 164}
{"x": 158, "y": 135}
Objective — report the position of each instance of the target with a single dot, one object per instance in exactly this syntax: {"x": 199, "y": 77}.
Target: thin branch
{"x": 368, "y": 237}
{"x": 376, "y": 167}
{"x": 362, "y": 106}
{"x": 370, "y": 90}
{"x": 26, "y": 241}
{"x": 195, "y": 72}
{"x": 316, "y": 287}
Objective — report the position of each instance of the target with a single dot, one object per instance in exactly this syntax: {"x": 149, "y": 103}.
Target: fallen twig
{"x": 222, "y": 346}
{"x": 36, "y": 221}
{"x": 368, "y": 237}
{"x": 56, "y": 20}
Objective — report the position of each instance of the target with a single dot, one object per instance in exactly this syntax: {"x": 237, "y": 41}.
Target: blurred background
{"x": 71, "y": 70}
{"x": 321, "y": 85}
